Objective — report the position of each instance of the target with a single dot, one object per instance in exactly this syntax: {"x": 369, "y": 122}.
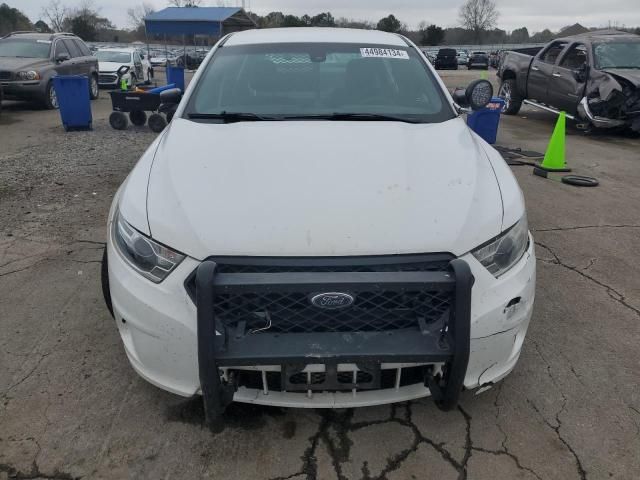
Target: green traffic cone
{"x": 554, "y": 158}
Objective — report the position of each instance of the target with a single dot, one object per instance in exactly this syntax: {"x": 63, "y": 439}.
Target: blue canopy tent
{"x": 212, "y": 21}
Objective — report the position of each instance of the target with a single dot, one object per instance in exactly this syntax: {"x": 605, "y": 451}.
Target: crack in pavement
{"x": 556, "y": 428}
{"x": 340, "y": 450}
{"x": 612, "y": 292}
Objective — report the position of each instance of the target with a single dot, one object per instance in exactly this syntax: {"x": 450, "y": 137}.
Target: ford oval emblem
{"x": 332, "y": 300}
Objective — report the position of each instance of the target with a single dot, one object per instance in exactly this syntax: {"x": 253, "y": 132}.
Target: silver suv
{"x": 30, "y": 60}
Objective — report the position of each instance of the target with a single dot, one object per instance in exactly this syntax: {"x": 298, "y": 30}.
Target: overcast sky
{"x": 535, "y": 15}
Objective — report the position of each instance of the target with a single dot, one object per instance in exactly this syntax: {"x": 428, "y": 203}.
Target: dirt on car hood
{"x": 321, "y": 188}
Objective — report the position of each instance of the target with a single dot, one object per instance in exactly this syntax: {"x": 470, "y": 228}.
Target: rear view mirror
{"x": 171, "y": 96}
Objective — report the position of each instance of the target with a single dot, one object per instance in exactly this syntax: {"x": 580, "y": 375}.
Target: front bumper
{"x": 23, "y": 89}
{"x": 159, "y": 325}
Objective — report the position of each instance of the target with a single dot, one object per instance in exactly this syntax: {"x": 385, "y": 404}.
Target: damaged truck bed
{"x": 594, "y": 77}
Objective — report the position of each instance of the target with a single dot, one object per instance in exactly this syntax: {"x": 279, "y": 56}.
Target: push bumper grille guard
{"x": 218, "y": 347}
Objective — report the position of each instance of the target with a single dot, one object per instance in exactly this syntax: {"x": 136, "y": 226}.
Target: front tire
{"x": 509, "y": 93}
{"x": 157, "y": 123}
{"x": 94, "y": 88}
{"x": 50, "y": 98}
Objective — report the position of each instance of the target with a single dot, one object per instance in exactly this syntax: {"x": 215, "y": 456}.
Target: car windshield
{"x": 617, "y": 54}
{"x": 115, "y": 57}
{"x": 24, "y": 48}
{"x": 307, "y": 80}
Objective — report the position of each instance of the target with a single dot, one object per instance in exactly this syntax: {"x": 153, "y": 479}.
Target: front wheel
{"x": 157, "y": 123}
{"x": 50, "y": 97}
{"x": 509, "y": 93}
{"x": 94, "y": 89}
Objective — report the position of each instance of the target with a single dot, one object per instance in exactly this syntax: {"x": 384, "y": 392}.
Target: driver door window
{"x": 66, "y": 67}
{"x": 553, "y": 52}
{"x": 576, "y": 58}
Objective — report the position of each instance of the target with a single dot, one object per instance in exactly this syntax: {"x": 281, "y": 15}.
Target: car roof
{"x": 39, "y": 35}
{"x": 315, "y": 35}
{"x": 602, "y": 36}
{"x": 114, "y": 49}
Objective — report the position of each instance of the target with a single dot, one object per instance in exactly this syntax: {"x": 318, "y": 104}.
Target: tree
{"x": 137, "y": 15}
{"x": 42, "y": 27}
{"x": 57, "y": 15}
{"x": 434, "y": 35}
{"x": 520, "y": 35}
{"x": 185, "y": 3}
{"x": 86, "y": 22}
{"x": 478, "y": 16}
{"x": 542, "y": 37}
{"x": 389, "y": 24}
{"x": 324, "y": 19}
{"x": 12, "y": 19}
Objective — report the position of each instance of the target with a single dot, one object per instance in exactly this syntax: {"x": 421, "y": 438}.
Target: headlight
{"x": 149, "y": 258}
{"x": 503, "y": 252}
{"x": 30, "y": 75}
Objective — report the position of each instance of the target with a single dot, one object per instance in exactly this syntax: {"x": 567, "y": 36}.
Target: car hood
{"x": 110, "y": 66}
{"x": 19, "y": 64}
{"x": 315, "y": 188}
{"x": 632, "y": 76}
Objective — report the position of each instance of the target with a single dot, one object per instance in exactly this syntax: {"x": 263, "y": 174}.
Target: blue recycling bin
{"x": 72, "y": 92}
{"x": 175, "y": 75}
{"x": 485, "y": 121}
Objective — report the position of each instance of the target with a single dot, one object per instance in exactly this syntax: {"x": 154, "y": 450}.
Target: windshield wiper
{"x": 231, "y": 117}
{"x": 356, "y": 117}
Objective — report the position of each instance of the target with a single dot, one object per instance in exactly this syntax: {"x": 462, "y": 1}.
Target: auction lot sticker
{"x": 384, "y": 53}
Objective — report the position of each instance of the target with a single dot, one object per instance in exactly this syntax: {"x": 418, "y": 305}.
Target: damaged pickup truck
{"x": 594, "y": 77}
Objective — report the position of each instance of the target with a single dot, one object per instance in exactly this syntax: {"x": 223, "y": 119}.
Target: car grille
{"x": 106, "y": 78}
{"x": 373, "y": 310}
{"x": 4, "y": 75}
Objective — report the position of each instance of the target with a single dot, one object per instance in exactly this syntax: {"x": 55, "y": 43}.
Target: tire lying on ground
{"x": 157, "y": 122}
{"x": 118, "y": 121}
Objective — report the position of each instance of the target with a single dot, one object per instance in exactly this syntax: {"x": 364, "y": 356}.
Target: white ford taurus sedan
{"x": 318, "y": 227}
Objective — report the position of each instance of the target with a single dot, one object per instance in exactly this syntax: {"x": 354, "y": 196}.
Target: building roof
{"x": 199, "y": 14}
{"x": 316, "y": 35}
{"x": 198, "y": 20}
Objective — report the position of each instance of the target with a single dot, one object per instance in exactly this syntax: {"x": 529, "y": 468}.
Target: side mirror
{"x": 476, "y": 96}
{"x": 123, "y": 70}
{"x": 171, "y": 96}
{"x": 62, "y": 57}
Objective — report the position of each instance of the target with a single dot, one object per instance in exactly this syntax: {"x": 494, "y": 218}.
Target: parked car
{"x": 30, "y": 60}
{"x": 111, "y": 59}
{"x": 158, "y": 59}
{"x": 594, "y": 77}
{"x": 463, "y": 57}
{"x": 478, "y": 60}
{"x": 280, "y": 275}
{"x": 446, "y": 59}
